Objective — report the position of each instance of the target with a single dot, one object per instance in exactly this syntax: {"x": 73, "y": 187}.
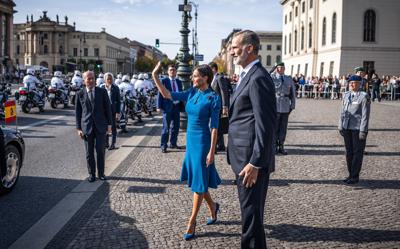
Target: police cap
{"x": 280, "y": 64}
{"x": 359, "y": 69}
{"x": 355, "y": 78}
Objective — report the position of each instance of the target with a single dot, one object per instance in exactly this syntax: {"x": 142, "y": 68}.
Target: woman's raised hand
{"x": 157, "y": 68}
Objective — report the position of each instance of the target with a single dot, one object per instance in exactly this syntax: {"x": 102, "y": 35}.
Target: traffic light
{"x": 157, "y": 43}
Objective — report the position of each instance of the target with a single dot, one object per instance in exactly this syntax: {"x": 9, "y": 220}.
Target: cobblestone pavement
{"x": 144, "y": 205}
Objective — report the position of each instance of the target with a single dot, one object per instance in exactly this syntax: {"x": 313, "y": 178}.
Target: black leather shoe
{"x": 107, "y": 146}
{"x": 91, "y": 178}
{"x": 175, "y": 147}
{"x": 112, "y": 147}
{"x": 282, "y": 150}
{"x": 102, "y": 177}
{"x": 352, "y": 181}
{"x": 234, "y": 182}
{"x": 164, "y": 150}
{"x": 347, "y": 178}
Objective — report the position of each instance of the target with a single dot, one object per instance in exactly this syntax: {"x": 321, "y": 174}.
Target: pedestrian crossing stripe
{"x": 10, "y": 111}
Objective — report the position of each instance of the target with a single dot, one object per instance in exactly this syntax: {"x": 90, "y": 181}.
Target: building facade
{"x": 270, "y": 51}
{"x": 58, "y": 45}
{"x": 6, "y": 34}
{"x": 332, "y": 37}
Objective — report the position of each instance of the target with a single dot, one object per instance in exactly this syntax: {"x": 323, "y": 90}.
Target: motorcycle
{"x": 152, "y": 95}
{"x": 142, "y": 99}
{"x": 132, "y": 107}
{"x": 30, "y": 99}
{"x": 55, "y": 97}
{"x": 73, "y": 90}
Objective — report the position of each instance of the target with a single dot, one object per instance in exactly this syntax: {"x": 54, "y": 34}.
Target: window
{"x": 18, "y": 49}
{"x": 284, "y": 48}
{"x": 269, "y": 46}
{"x": 260, "y": 47}
{"x": 311, "y": 4}
{"x": 290, "y": 43}
{"x": 310, "y": 35}
{"x": 295, "y": 40}
{"x": 305, "y": 69}
{"x": 369, "y": 26}
{"x": 302, "y": 38}
{"x": 61, "y": 50}
{"x": 45, "y": 49}
{"x": 290, "y": 16}
{"x": 45, "y": 36}
{"x": 278, "y": 47}
{"x": 85, "y": 52}
{"x": 285, "y": 19}
{"x": 296, "y": 11}
{"x": 96, "y": 52}
{"x": 268, "y": 60}
{"x": 62, "y": 61}
{"x": 321, "y": 70}
{"x": 18, "y": 38}
{"x": 75, "y": 51}
{"x": 303, "y": 7}
{"x": 331, "y": 67}
{"x": 324, "y": 31}
{"x": 27, "y": 61}
{"x": 278, "y": 59}
{"x": 291, "y": 70}
{"x": 368, "y": 65}
{"x": 334, "y": 28}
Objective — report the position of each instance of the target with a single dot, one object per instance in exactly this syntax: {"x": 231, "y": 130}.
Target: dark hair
{"x": 249, "y": 38}
{"x": 205, "y": 70}
{"x": 213, "y": 65}
{"x": 171, "y": 65}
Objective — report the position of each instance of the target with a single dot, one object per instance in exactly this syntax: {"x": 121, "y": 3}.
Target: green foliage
{"x": 144, "y": 64}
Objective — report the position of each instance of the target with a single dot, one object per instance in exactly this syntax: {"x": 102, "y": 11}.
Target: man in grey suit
{"x": 252, "y": 123}
{"x": 285, "y": 92}
{"x": 93, "y": 120}
{"x": 353, "y": 126}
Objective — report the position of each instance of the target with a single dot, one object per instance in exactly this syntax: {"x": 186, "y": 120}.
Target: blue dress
{"x": 202, "y": 108}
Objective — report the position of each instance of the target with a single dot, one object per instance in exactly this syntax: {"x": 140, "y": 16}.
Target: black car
{"x": 14, "y": 151}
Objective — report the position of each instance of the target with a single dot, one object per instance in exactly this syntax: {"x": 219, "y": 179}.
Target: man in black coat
{"x": 252, "y": 123}
{"x": 221, "y": 86}
{"x": 115, "y": 100}
{"x": 93, "y": 120}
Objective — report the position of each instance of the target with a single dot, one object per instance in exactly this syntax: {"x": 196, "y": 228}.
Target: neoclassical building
{"x": 270, "y": 50}
{"x": 331, "y": 37}
{"x": 6, "y": 34}
{"x": 54, "y": 44}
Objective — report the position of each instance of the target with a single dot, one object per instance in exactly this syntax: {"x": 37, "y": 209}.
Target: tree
{"x": 221, "y": 64}
{"x": 145, "y": 64}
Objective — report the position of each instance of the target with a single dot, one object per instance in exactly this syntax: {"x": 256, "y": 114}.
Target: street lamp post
{"x": 184, "y": 69}
{"x": 195, "y": 43}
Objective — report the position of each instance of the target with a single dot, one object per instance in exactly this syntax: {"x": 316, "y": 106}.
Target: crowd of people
{"x": 379, "y": 87}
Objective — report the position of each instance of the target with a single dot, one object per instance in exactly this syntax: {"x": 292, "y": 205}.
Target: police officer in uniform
{"x": 125, "y": 89}
{"x": 353, "y": 126}
{"x": 285, "y": 101}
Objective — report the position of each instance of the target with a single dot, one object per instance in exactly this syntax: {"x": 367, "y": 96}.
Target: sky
{"x": 147, "y": 20}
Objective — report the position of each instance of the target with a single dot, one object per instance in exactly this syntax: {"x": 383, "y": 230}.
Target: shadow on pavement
{"x": 327, "y": 152}
{"x": 323, "y": 145}
{"x": 299, "y": 233}
{"x": 364, "y": 184}
{"x": 312, "y": 127}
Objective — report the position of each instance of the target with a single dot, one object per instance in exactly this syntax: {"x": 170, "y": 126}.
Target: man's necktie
{"x": 282, "y": 78}
{"x": 242, "y": 74}
{"x": 173, "y": 86}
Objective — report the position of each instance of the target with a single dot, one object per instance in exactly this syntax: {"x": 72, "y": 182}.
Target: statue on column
{"x": 57, "y": 19}
{"x": 27, "y": 18}
{"x": 31, "y": 18}
{"x": 66, "y": 20}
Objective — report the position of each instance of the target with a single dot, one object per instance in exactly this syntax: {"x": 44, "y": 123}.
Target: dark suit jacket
{"x": 98, "y": 117}
{"x": 115, "y": 98}
{"x": 166, "y": 104}
{"x": 219, "y": 85}
{"x": 252, "y": 122}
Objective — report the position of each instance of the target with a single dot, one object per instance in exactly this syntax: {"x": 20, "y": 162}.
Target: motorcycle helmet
{"x": 146, "y": 76}
{"x": 135, "y": 76}
{"x": 57, "y": 74}
{"x": 141, "y": 76}
{"x": 119, "y": 76}
{"x": 30, "y": 71}
{"x": 78, "y": 73}
{"x": 125, "y": 78}
{"x": 101, "y": 75}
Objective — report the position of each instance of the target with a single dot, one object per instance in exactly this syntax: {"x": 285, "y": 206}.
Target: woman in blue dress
{"x": 202, "y": 106}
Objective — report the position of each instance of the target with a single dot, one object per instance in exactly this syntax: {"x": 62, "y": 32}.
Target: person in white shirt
{"x": 119, "y": 79}
{"x": 77, "y": 80}
{"x": 30, "y": 81}
{"x": 58, "y": 84}
{"x": 100, "y": 80}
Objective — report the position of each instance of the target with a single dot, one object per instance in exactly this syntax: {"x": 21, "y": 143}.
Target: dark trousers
{"x": 281, "y": 128}
{"x": 354, "y": 152}
{"x": 3, "y": 163}
{"x": 376, "y": 94}
{"x": 252, "y": 202}
{"x": 168, "y": 117}
{"x": 220, "y": 135}
{"x": 114, "y": 131}
{"x": 92, "y": 141}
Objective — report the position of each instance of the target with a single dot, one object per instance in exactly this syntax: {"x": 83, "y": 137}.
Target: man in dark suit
{"x": 93, "y": 120}
{"x": 252, "y": 122}
{"x": 221, "y": 86}
{"x": 115, "y": 100}
{"x": 170, "y": 110}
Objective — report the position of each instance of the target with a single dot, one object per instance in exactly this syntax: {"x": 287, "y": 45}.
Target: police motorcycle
{"x": 32, "y": 94}
{"x": 75, "y": 86}
{"x": 57, "y": 96}
{"x": 132, "y": 107}
{"x": 152, "y": 96}
{"x": 143, "y": 102}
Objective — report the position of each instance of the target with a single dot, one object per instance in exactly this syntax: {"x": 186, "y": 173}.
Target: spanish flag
{"x": 10, "y": 111}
